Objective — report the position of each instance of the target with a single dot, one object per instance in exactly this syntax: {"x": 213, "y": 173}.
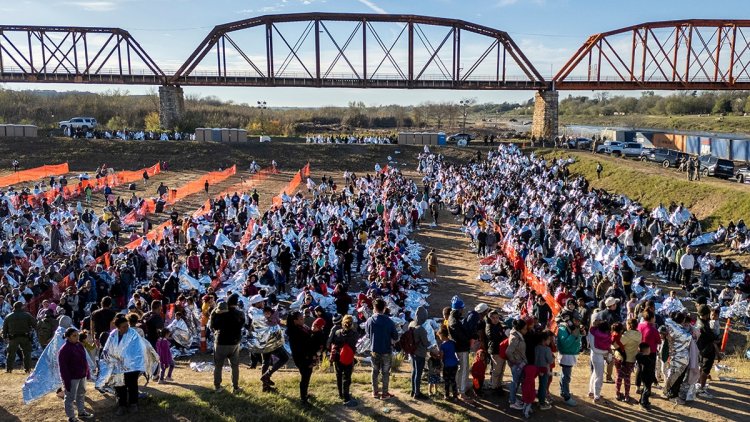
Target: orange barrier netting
{"x": 242, "y": 186}
{"x": 531, "y": 279}
{"x": 157, "y": 233}
{"x": 69, "y": 192}
{"x": 34, "y": 174}
{"x": 149, "y": 205}
{"x": 293, "y": 184}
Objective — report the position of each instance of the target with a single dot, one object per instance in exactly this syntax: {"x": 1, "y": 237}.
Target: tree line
{"x": 681, "y": 103}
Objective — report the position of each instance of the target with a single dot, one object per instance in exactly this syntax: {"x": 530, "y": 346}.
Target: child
{"x": 647, "y": 377}
{"x": 165, "y": 355}
{"x": 450, "y": 363}
{"x": 543, "y": 359}
{"x": 89, "y": 345}
{"x": 478, "y": 369}
{"x": 631, "y": 305}
{"x": 627, "y": 343}
{"x": 663, "y": 354}
{"x": 434, "y": 368}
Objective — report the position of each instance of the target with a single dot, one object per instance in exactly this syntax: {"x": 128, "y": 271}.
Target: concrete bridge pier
{"x": 171, "y": 106}
{"x": 544, "y": 123}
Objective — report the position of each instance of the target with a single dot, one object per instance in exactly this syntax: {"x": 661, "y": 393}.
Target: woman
{"x": 303, "y": 351}
{"x": 343, "y": 347}
{"x": 74, "y": 369}
{"x": 600, "y": 341}
{"x": 129, "y": 354}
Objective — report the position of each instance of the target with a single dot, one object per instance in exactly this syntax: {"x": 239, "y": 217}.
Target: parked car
{"x": 580, "y": 143}
{"x": 629, "y": 149}
{"x": 716, "y": 167}
{"x": 459, "y": 137}
{"x": 606, "y": 147}
{"x": 666, "y": 157}
{"x": 743, "y": 175}
{"x": 84, "y": 123}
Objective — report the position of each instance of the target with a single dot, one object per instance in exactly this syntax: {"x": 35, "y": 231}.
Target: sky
{"x": 547, "y": 31}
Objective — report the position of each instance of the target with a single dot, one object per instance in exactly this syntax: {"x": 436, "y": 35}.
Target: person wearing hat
{"x": 227, "y": 327}
{"x": 459, "y": 333}
{"x": 17, "y": 328}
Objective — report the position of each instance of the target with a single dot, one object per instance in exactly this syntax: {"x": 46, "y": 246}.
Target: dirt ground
{"x": 457, "y": 275}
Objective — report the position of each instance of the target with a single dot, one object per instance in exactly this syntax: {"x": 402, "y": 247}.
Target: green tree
{"x": 116, "y": 123}
{"x": 722, "y": 105}
{"x": 151, "y": 122}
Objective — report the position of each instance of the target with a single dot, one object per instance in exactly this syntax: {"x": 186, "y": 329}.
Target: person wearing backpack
{"x": 343, "y": 345}
{"x": 418, "y": 351}
{"x": 381, "y": 331}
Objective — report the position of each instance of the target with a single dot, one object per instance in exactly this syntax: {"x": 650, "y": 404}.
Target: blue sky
{"x": 548, "y": 31}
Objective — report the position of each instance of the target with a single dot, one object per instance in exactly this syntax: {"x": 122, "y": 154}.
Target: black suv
{"x": 717, "y": 167}
{"x": 667, "y": 157}
{"x": 743, "y": 175}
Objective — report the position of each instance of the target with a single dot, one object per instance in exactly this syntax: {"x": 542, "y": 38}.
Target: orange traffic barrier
{"x": 33, "y": 174}
{"x": 725, "y": 338}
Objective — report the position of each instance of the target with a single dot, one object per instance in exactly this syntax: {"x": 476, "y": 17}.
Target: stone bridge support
{"x": 171, "y": 106}
{"x": 544, "y": 124}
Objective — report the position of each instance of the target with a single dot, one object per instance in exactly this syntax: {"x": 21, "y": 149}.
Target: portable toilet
{"x": 2, "y": 130}
{"x": 441, "y": 139}
{"x": 241, "y": 135}
{"x": 216, "y": 135}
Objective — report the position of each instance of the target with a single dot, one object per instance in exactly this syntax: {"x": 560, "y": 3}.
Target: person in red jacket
{"x": 74, "y": 369}
{"x": 563, "y": 296}
{"x": 194, "y": 264}
{"x": 478, "y": 369}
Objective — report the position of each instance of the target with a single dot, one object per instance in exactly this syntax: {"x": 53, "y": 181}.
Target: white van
{"x": 265, "y": 138}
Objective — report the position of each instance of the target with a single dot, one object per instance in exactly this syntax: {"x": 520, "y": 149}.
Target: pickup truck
{"x": 84, "y": 123}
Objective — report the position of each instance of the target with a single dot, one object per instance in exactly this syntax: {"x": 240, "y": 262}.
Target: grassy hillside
{"x": 714, "y": 201}
{"x": 726, "y": 124}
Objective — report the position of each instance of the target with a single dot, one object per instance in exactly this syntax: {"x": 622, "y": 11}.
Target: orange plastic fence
{"x": 243, "y": 186}
{"x": 293, "y": 184}
{"x": 149, "y": 205}
{"x": 33, "y": 174}
{"x": 533, "y": 281}
{"x": 69, "y": 192}
{"x": 198, "y": 184}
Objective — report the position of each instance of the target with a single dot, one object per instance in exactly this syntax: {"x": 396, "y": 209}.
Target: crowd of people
{"x": 329, "y": 273}
{"x": 537, "y": 222}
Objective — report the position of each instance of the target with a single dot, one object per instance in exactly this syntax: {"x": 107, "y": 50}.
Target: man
{"x": 568, "y": 348}
{"x": 708, "y": 346}
{"x": 101, "y": 320}
{"x": 419, "y": 358}
{"x": 153, "y": 322}
{"x": 46, "y": 327}
{"x": 17, "y": 329}
{"x": 382, "y": 332}
{"x": 687, "y": 262}
{"x": 462, "y": 337}
{"x": 495, "y": 334}
{"x": 161, "y": 190}
{"x": 227, "y": 322}
{"x": 599, "y": 169}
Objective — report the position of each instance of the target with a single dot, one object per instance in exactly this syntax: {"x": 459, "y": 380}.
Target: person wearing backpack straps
{"x": 419, "y": 352}
{"x": 343, "y": 344}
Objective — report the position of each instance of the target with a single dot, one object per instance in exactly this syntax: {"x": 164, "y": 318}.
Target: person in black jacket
{"x": 495, "y": 333}
{"x": 462, "y": 338}
{"x": 227, "y": 322}
{"x": 303, "y": 351}
{"x": 346, "y": 335}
